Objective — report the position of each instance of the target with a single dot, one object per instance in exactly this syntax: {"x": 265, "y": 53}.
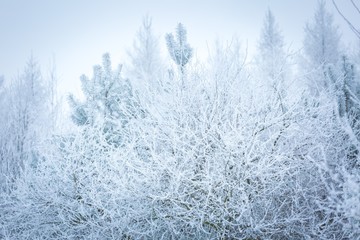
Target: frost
{"x": 217, "y": 150}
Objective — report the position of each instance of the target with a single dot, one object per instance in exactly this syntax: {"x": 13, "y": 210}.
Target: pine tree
{"x": 109, "y": 102}
{"x": 179, "y": 49}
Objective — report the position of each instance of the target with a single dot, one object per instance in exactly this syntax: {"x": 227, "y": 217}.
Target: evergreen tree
{"x": 345, "y": 87}
{"x": 109, "y": 102}
{"x": 322, "y": 38}
{"x": 179, "y": 49}
{"x": 145, "y": 57}
{"x": 271, "y": 44}
{"x": 321, "y": 46}
{"x": 272, "y": 60}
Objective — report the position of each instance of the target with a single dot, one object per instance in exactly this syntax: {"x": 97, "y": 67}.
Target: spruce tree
{"x": 321, "y": 46}
{"x": 272, "y": 60}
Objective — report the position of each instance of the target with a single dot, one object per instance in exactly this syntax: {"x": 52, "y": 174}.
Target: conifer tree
{"x": 321, "y": 46}
{"x": 145, "y": 56}
{"x": 109, "y": 101}
{"x": 322, "y": 38}
{"x": 179, "y": 49}
{"x": 271, "y": 46}
{"x": 272, "y": 60}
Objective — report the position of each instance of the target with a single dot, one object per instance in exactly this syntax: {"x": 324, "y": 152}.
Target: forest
{"x": 181, "y": 148}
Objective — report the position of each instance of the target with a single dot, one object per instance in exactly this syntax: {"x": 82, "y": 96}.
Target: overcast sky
{"x": 77, "y": 32}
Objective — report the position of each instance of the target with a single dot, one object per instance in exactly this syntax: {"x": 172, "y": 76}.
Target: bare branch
{"x": 352, "y": 27}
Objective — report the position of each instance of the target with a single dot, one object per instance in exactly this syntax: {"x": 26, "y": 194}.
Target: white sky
{"x": 77, "y": 32}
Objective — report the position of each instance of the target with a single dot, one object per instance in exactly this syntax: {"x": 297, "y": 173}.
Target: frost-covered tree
{"x": 145, "y": 58}
{"x": 109, "y": 102}
{"x": 24, "y": 122}
{"x": 332, "y": 79}
{"x": 321, "y": 46}
{"x": 344, "y": 86}
{"x": 271, "y": 48}
{"x": 322, "y": 39}
{"x": 179, "y": 49}
{"x": 272, "y": 61}
{"x": 54, "y": 97}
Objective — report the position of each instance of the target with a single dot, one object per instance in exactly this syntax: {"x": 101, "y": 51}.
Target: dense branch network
{"x": 237, "y": 152}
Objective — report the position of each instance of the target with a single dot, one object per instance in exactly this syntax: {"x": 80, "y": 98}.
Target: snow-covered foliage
{"x": 23, "y": 114}
{"x": 179, "y": 49}
{"x": 210, "y": 155}
{"x": 109, "y": 103}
